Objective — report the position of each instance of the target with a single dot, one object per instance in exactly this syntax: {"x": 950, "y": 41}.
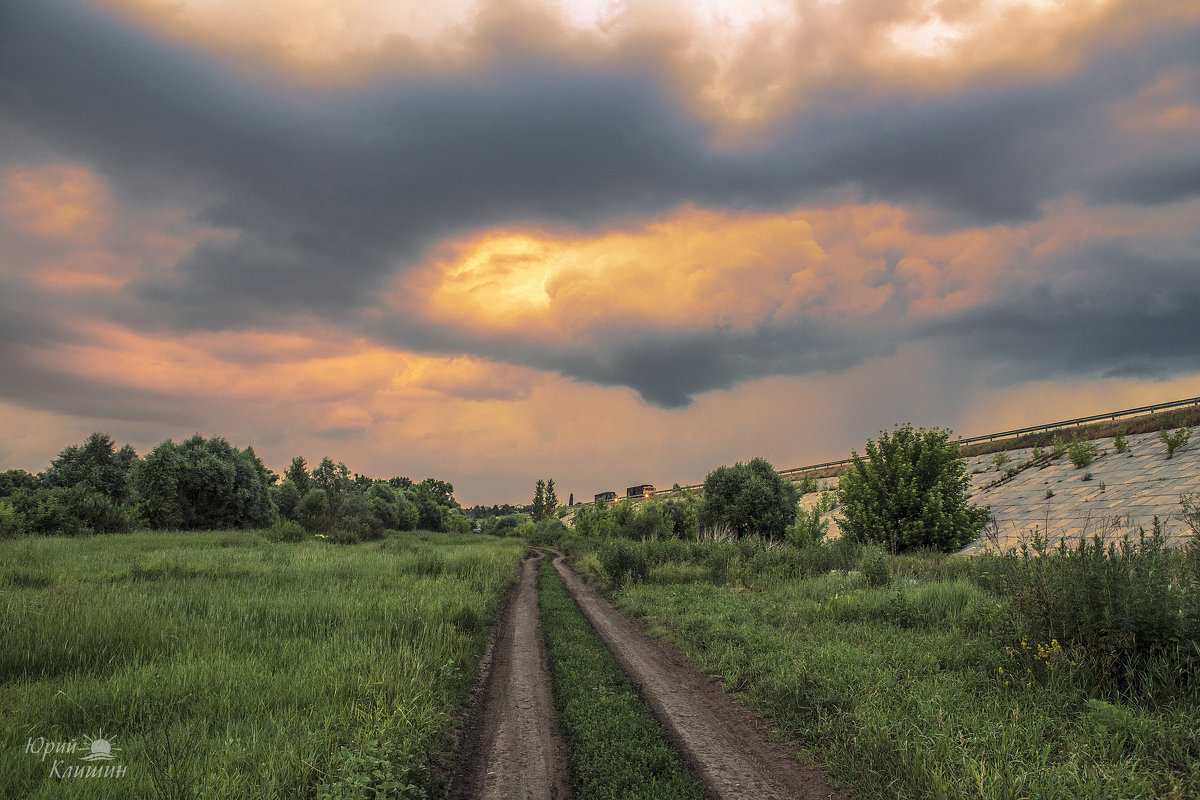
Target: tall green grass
{"x": 956, "y": 678}
{"x": 224, "y": 665}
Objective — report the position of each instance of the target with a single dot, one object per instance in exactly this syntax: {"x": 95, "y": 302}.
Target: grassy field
{"x": 616, "y": 748}
{"x": 925, "y": 687}
{"x": 225, "y": 665}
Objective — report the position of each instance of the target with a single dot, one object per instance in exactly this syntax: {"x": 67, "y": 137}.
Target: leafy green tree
{"x": 203, "y": 484}
{"x": 410, "y": 517}
{"x": 621, "y": 515}
{"x": 12, "y": 522}
{"x": 14, "y": 480}
{"x": 539, "y": 501}
{"x": 430, "y": 515}
{"x": 96, "y": 465}
{"x": 333, "y": 477}
{"x": 749, "y": 498}
{"x": 286, "y": 496}
{"x": 297, "y": 473}
{"x": 442, "y": 493}
{"x": 683, "y": 515}
{"x": 909, "y": 491}
{"x": 313, "y": 512}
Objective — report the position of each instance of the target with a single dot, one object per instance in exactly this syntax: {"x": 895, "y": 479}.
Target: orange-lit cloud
{"x": 59, "y": 201}
{"x": 736, "y": 63}
{"x": 698, "y": 269}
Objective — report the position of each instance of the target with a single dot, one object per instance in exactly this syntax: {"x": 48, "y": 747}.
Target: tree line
{"x": 908, "y": 491}
{"x": 209, "y": 484}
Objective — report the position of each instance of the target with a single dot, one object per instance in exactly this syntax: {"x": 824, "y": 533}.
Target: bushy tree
{"x": 313, "y": 512}
{"x": 297, "y": 473}
{"x": 909, "y": 491}
{"x": 749, "y": 498}
{"x": 95, "y": 465}
{"x": 286, "y": 496}
{"x": 203, "y": 484}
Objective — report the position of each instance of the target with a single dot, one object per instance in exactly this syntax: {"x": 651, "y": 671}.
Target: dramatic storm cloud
{"x": 478, "y": 232}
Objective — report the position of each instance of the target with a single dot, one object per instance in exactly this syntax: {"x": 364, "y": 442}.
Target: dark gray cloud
{"x": 1131, "y": 316}
{"x": 325, "y": 195}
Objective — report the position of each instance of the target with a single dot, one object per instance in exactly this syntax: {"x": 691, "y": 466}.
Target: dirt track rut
{"x": 512, "y": 749}
{"x": 721, "y": 741}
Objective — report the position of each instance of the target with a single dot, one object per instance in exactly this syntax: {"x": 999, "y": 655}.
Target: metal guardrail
{"x": 989, "y": 437}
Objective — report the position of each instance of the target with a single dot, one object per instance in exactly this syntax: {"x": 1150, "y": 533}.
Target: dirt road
{"x": 720, "y": 740}
{"x": 512, "y": 746}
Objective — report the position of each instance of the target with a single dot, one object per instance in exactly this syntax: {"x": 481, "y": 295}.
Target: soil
{"x": 511, "y": 747}
{"x": 726, "y": 748}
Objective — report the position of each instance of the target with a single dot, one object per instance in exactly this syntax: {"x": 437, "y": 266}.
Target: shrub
{"x": 1120, "y": 442}
{"x": 808, "y": 528}
{"x": 1058, "y": 448}
{"x": 1037, "y": 453}
{"x": 546, "y": 531}
{"x": 910, "y": 491}
{"x": 1000, "y": 459}
{"x": 1120, "y": 606}
{"x": 287, "y": 530}
{"x": 12, "y": 524}
{"x": 749, "y": 498}
{"x": 1081, "y": 452}
{"x": 876, "y": 566}
{"x": 625, "y": 562}
{"x": 1174, "y": 440}
{"x": 345, "y": 535}
{"x": 378, "y": 768}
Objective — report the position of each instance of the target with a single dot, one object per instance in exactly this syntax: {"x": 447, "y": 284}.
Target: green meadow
{"x": 1067, "y": 675}
{"x": 226, "y": 665}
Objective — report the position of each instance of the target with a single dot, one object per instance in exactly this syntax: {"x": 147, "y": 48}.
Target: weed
{"x": 1049, "y": 493}
{"x": 1000, "y": 459}
{"x": 1058, "y": 448}
{"x": 1087, "y": 476}
{"x": 624, "y": 562}
{"x": 1174, "y": 440}
{"x": 1120, "y": 442}
{"x": 1123, "y": 606}
{"x": 876, "y": 566}
{"x": 1081, "y": 452}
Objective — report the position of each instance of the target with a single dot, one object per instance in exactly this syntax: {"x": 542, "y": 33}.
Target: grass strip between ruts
{"x": 616, "y": 748}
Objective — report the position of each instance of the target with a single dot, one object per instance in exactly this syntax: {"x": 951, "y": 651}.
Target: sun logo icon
{"x": 101, "y": 749}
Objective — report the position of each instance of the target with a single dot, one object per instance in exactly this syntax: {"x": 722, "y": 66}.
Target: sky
{"x": 605, "y": 242}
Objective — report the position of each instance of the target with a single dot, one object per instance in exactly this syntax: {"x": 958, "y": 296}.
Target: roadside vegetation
{"x": 616, "y": 748}
{"x": 223, "y": 664}
{"x": 1050, "y": 671}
